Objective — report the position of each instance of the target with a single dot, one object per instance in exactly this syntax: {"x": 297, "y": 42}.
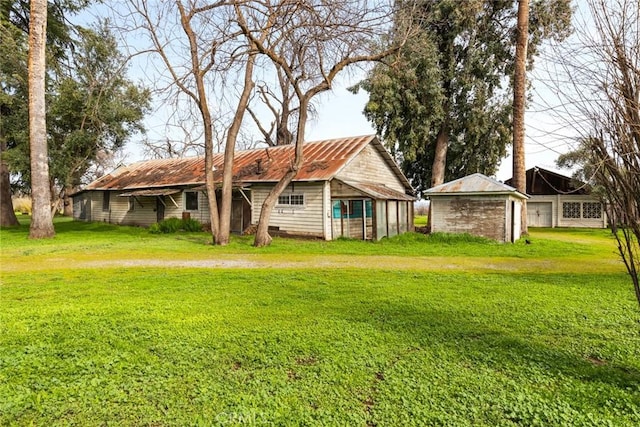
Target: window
{"x": 352, "y": 208}
{"x": 106, "y": 200}
{"x": 132, "y": 203}
{"x": 586, "y": 210}
{"x": 571, "y": 210}
{"x": 592, "y": 210}
{"x": 191, "y": 200}
{"x": 291, "y": 199}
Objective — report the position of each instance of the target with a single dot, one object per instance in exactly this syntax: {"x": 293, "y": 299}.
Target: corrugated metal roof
{"x": 473, "y": 184}
{"x": 153, "y": 173}
{"x": 323, "y": 160}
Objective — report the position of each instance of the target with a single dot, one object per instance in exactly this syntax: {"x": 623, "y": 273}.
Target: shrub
{"x": 191, "y": 224}
{"x": 172, "y": 225}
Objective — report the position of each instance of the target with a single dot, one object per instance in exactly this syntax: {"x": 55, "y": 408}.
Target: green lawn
{"x": 107, "y": 325}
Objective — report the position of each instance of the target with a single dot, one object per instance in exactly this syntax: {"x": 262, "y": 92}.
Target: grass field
{"x": 106, "y": 325}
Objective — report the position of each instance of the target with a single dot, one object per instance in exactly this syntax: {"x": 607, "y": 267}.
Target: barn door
{"x": 539, "y": 214}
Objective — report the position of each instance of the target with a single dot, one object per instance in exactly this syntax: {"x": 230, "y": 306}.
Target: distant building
{"x": 561, "y": 201}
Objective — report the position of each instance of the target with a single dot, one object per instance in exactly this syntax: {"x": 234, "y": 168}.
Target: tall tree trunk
{"x": 262, "y": 233}
{"x": 7, "y": 215}
{"x": 209, "y": 178}
{"x": 519, "y": 99}
{"x": 439, "y": 164}
{"x": 207, "y": 122}
{"x": 440, "y": 157}
{"x": 232, "y": 137}
{"x": 67, "y": 202}
{"x": 41, "y": 221}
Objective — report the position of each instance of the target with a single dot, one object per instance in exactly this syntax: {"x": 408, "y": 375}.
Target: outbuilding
{"x": 557, "y": 200}
{"x": 478, "y": 205}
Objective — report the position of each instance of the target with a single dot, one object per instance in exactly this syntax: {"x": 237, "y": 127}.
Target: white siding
{"x": 97, "y": 213}
{"x": 344, "y": 191}
{"x": 201, "y": 214}
{"x": 557, "y": 214}
{"x": 370, "y": 166}
{"x": 327, "y": 210}
{"x": 539, "y": 214}
{"x": 304, "y": 220}
{"x": 144, "y": 211}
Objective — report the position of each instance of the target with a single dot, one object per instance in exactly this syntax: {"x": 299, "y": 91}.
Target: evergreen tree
{"x": 444, "y": 106}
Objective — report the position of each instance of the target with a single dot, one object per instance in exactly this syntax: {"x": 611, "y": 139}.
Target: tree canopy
{"x": 92, "y": 106}
{"x": 447, "y": 95}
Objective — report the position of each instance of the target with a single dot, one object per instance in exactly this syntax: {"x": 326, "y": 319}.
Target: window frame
{"x": 568, "y": 210}
{"x": 594, "y": 211}
{"x": 187, "y": 200}
{"x": 106, "y": 201}
{"x": 287, "y": 199}
{"x": 585, "y": 210}
{"x": 347, "y": 210}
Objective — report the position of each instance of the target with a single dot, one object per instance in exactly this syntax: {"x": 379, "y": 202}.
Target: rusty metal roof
{"x": 473, "y": 185}
{"x": 323, "y": 160}
{"x": 153, "y": 174}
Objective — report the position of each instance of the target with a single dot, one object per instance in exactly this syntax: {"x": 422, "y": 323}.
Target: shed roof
{"x": 476, "y": 184}
{"x": 322, "y": 161}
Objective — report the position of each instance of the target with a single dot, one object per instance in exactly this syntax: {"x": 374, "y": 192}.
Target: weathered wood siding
{"x": 201, "y": 214}
{"x": 479, "y": 216}
{"x": 304, "y": 220}
{"x": 343, "y": 191}
{"x": 370, "y": 166}
{"x": 391, "y": 217}
{"x": 144, "y": 212}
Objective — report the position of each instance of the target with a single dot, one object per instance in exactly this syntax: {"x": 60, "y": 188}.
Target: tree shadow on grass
{"x": 497, "y": 349}
{"x": 64, "y": 225}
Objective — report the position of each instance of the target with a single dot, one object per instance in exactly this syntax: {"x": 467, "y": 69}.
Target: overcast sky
{"x": 339, "y": 114}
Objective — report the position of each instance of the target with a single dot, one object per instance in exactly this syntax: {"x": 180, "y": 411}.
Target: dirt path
{"x": 372, "y": 262}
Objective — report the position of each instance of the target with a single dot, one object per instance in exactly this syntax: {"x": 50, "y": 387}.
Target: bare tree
{"x": 41, "y": 221}
{"x": 598, "y": 82}
{"x": 519, "y": 101}
{"x": 196, "y": 46}
{"x": 308, "y": 44}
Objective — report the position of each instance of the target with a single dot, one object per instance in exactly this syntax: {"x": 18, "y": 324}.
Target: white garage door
{"x": 539, "y": 214}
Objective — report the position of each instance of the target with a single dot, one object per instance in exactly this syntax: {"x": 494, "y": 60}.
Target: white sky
{"x": 339, "y": 114}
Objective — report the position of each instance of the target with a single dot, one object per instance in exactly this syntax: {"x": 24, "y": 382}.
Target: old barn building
{"x": 478, "y": 205}
{"x": 560, "y": 201}
{"x": 347, "y": 187}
